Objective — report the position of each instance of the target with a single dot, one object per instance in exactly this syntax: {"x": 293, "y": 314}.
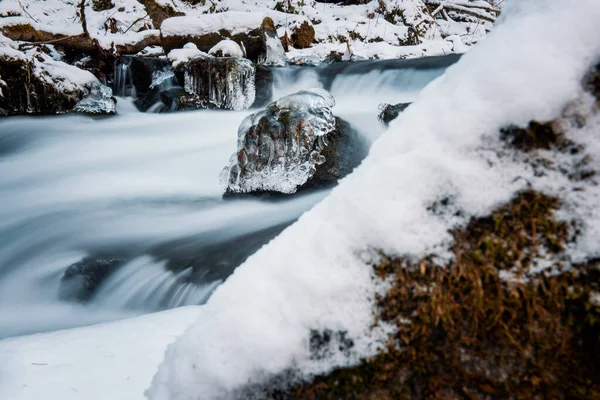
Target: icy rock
{"x": 226, "y": 48}
{"x": 294, "y": 142}
{"x": 221, "y": 83}
{"x": 274, "y": 54}
{"x": 34, "y": 83}
{"x": 100, "y": 101}
{"x": 389, "y": 112}
{"x": 145, "y": 78}
{"x": 263, "y": 82}
{"x": 81, "y": 279}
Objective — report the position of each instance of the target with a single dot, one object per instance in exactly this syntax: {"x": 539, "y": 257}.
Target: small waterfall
{"x": 145, "y": 284}
{"x": 123, "y": 81}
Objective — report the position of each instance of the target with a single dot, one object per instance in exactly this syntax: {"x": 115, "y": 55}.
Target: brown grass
{"x": 466, "y": 333}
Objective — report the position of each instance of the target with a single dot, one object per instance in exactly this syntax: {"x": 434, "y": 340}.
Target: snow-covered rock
{"x": 185, "y": 54}
{"x": 37, "y": 84}
{"x": 294, "y": 142}
{"x": 226, "y": 48}
{"x": 318, "y": 273}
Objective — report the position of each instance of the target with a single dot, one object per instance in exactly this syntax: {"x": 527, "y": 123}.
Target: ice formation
{"x": 275, "y": 54}
{"x": 280, "y": 147}
{"x": 162, "y": 78}
{"x": 98, "y": 102}
{"x": 226, "y": 83}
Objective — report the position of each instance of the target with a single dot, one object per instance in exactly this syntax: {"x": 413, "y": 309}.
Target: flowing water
{"x": 144, "y": 188}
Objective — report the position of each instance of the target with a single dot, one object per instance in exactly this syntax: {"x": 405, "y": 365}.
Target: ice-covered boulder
{"x": 295, "y": 142}
{"x": 216, "y": 82}
{"x": 34, "y": 83}
{"x": 100, "y": 101}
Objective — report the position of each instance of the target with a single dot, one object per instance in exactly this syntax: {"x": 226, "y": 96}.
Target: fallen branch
{"x": 53, "y": 41}
{"x": 135, "y": 22}
{"x": 467, "y": 8}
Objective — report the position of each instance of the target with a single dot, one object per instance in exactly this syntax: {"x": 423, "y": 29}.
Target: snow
{"x": 189, "y": 52}
{"x": 228, "y": 48}
{"x": 316, "y": 274}
{"x": 108, "y": 361}
{"x": 233, "y": 21}
{"x": 62, "y": 76}
{"x": 364, "y": 26}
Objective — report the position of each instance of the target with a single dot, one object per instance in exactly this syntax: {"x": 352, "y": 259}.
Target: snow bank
{"x": 368, "y": 25}
{"x": 316, "y": 274}
{"x": 108, "y": 361}
{"x": 233, "y": 21}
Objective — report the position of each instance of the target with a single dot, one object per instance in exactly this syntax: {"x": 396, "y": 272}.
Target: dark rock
{"x": 295, "y": 143}
{"x": 216, "y": 82}
{"x": 389, "y": 112}
{"x": 142, "y": 74}
{"x": 81, "y": 279}
{"x": 263, "y": 83}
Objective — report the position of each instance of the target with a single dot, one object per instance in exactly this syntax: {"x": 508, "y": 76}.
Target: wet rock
{"x": 263, "y": 82}
{"x": 144, "y": 78}
{"x": 81, "y": 279}
{"x": 294, "y": 143}
{"x": 34, "y": 83}
{"x": 389, "y": 112}
{"x": 216, "y": 82}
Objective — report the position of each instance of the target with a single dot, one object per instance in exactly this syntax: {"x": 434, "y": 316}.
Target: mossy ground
{"x": 303, "y": 36}
{"x": 465, "y": 331}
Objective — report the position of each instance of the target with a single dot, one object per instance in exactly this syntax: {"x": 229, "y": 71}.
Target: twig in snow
{"x": 135, "y": 22}
{"x": 25, "y": 11}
